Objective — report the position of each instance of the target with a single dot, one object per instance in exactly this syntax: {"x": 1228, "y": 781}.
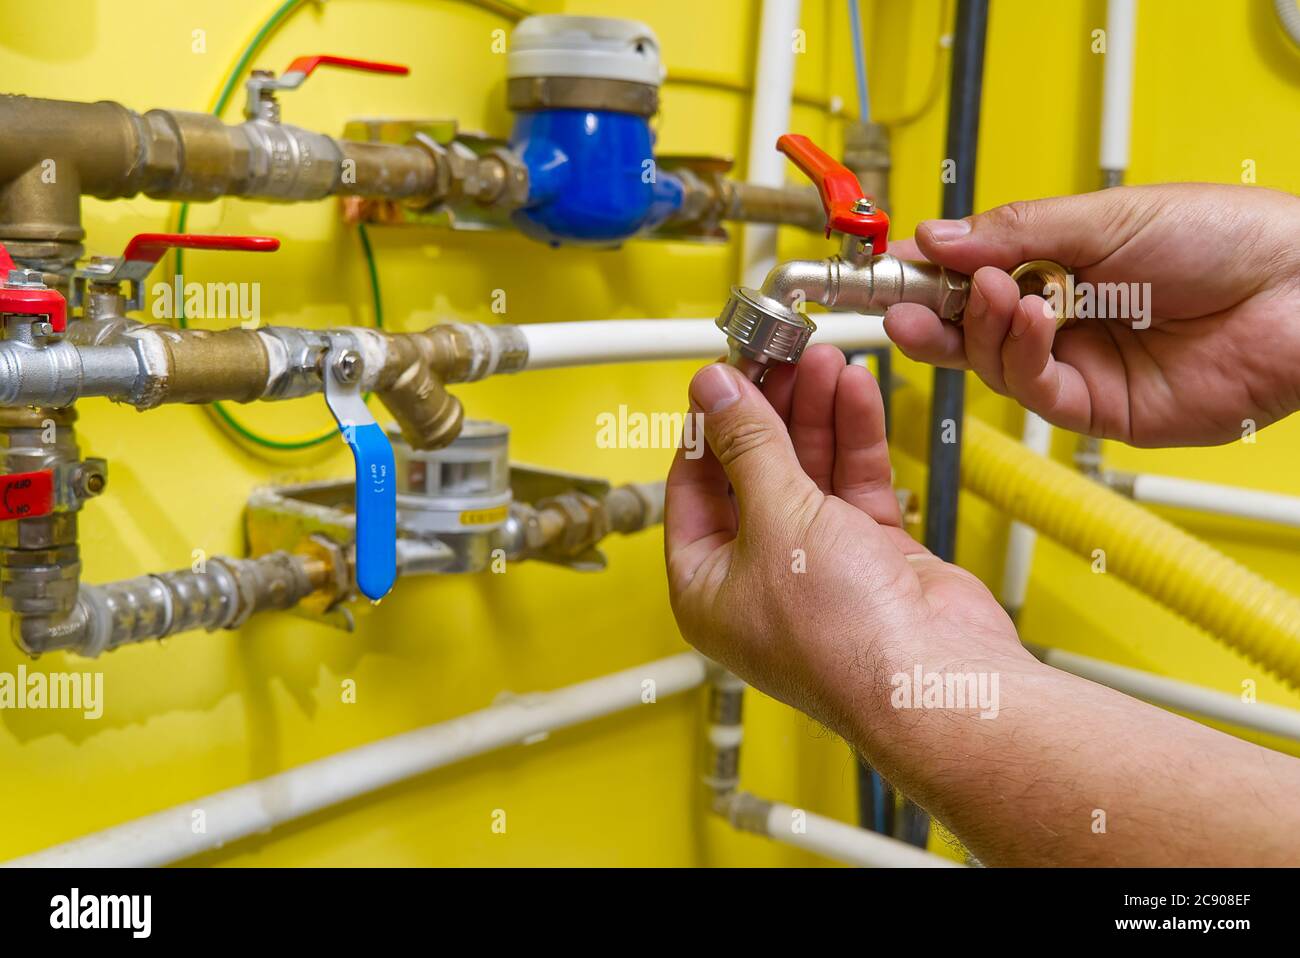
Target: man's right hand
{"x": 1222, "y": 351}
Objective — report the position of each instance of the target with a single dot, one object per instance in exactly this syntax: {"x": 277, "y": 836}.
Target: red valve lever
{"x": 146, "y": 249}
{"x": 150, "y": 247}
{"x": 840, "y": 191}
{"x": 305, "y": 66}
{"x": 31, "y": 302}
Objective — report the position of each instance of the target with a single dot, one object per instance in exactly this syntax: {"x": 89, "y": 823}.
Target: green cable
{"x": 182, "y": 218}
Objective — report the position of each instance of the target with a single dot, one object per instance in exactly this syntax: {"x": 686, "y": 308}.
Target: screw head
{"x": 864, "y": 205}
{"x": 347, "y": 367}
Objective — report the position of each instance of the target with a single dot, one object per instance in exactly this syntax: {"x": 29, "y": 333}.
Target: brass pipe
{"x": 391, "y": 172}
{"x": 790, "y": 205}
{"x": 709, "y": 198}
{"x": 210, "y": 365}
{"x": 54, "y": 151}
{"x": 179, "y": 155}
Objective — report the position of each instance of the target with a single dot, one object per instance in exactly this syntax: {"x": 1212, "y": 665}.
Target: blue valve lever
{"x": 376, "y": 475}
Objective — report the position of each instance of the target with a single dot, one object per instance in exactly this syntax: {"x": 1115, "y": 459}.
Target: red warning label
{"x": 26, "y": 494}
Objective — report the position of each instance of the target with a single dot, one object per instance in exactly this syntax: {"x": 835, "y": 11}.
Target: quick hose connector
{"x": 761, "y": 330}
{"x": 583, "y": 90}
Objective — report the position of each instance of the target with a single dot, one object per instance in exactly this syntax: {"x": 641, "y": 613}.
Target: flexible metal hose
{"x": 1207, "y": 588}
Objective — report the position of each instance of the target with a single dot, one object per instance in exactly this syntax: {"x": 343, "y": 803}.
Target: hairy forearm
{"x": 1072, "y": 773}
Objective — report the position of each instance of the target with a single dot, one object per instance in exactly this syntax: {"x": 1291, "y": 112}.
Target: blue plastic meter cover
{"x": 591, "y": 176}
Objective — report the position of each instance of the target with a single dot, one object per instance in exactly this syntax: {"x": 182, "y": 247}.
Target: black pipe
{"x": 958, "y": 201}
{"x": 948, "y": 398}
{"x": 877, "y": 804}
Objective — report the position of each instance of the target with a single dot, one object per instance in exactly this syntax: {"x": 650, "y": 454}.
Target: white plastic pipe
{"x": 769, "y": 119}
{"x": 845, "y": 843}
{"x": 553, "y": 345}
{"x": 1214, "y": 498}
{"x": 1117, "y": 88}
{"x": 260, "y": 806}
{"x": 1182, "y": 696}
{"x": 1037, "y": 438}
{"x": 1288, "y": 14}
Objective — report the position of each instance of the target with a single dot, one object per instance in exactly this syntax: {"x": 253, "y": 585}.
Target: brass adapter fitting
{"x": 417, "y": 366}
{"x": 428, "y": 415}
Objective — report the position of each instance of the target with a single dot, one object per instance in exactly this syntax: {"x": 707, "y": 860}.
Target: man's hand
{"x": 1223, "y": 345}
{"x": 787, "y": 564}
{"x": 805, "y": 584}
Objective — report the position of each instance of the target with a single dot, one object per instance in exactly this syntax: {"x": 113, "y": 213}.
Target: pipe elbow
{"x": 800, "y": 281}
{"x": 71, "y": 632}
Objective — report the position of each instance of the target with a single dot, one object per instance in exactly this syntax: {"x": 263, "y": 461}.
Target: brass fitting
{"x": 428, "y": 415}
{"x": 565, "y": 527}
{"x": 576, "y": 522}
{"x": 417, "y": 366}
{"x": 328, "y": 571}
{"x": 1044, "y": 277}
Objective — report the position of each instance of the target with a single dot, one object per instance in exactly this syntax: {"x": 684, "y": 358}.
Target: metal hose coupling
{"x": 761, "y": 331}
{"x": 768, "y": 325}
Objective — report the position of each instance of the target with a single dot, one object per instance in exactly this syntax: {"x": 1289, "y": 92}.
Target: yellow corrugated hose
{"x": 1243, "y": 610}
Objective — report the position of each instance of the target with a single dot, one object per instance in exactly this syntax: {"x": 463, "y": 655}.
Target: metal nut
{"x": 91, "y": 478}
{"x": 26, "y": 278}
{"x": 347, "y": 368}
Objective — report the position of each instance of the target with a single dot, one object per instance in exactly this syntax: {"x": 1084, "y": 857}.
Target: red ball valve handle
{"x": 848, "y": 210}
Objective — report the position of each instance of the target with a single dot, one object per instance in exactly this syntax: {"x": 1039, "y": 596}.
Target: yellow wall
{"x": 198, "y": 713}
